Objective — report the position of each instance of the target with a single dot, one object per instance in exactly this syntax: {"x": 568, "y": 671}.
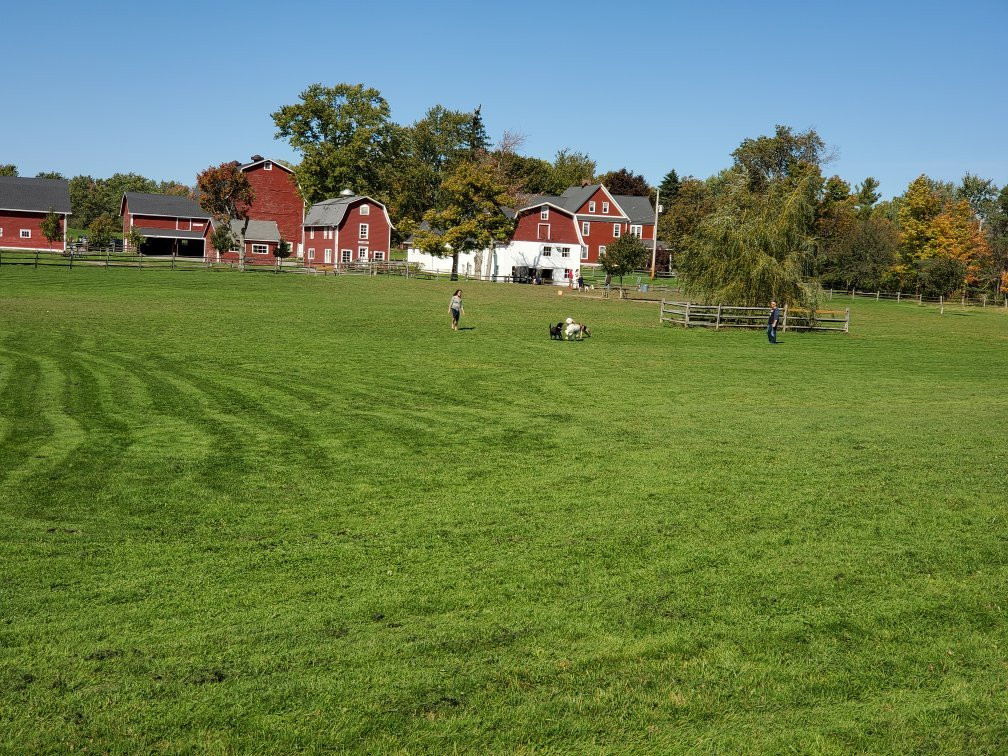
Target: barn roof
{"x": 165, "y": 205}
{"x": 331, "y": 212}
{"x": 638, "y": 209}
{"x": 258, "y": 230}
{"x": 34, "y": 194}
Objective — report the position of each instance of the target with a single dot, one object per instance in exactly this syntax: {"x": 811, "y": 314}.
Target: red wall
{"x": 277, "y": 199}
{"x": 598, "y": 198}
{"x": 562, "y": 230}
{"x": 347, "y": 235}
{"x": 12, "y": 222}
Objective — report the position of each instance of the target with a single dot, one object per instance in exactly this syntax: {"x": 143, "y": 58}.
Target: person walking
{"x": 772, "y": 321}
{"x": 455, "y": 308}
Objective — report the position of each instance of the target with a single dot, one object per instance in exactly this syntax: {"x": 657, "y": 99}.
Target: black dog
{"x": 556, "y": 331}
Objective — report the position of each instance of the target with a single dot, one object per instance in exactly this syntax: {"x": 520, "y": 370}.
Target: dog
{"x": 556, "y": 331}
{"x": 577, "y": 331}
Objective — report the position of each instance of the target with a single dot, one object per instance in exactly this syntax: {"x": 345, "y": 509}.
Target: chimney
{"x": 257, "y": 158}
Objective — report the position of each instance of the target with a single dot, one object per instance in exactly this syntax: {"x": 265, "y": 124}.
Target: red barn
{"x": 277, "y": 197}
{"x": 601, "y": 218}
{"x": 349, "y": 228}
{"x": 171, "y": 225}
{"x": 24, "y": 204}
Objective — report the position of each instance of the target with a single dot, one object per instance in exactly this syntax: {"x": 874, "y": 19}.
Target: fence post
{"x": 920, "y": 299}
{"x": 831, "y": 294}
{"x": 852, "y": 293}
{"x": 846, "y": 323}
{"x": 717, "y": 323}
{"x": 898, "y": 294}
{"x": 36, "y": 259}
{"x": 140, "y": 257}
{"x": 963, "y": 303}
{"x": 686, "y": 323}
{"x": 71, "y": 261}
{"x": 877, "y": 294}
{"x": 941, "y": 303}
{"x": 173, "y": 260}
{"x": 661, "y": 312}
{"x": 985, "y": 300}
{"x": 784, "y": 320}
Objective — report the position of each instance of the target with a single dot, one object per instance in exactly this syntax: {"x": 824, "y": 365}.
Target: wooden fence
{"x": 978, "y": 299}
{"x": 719, "y": 316}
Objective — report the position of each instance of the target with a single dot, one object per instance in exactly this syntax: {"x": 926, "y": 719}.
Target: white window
{"x": 379, "y": 255}
{"x": 615, "y": 230}
{"x": 362, "y": 253}
{"x": 584, "y": 253}
{"x": 547, "y": 251}
{"x": 544, "y": 213}
{"x": 260, "y": 249}
{"x": 1, "y": 231}
{"x": 26, "y": 233}
{"x": 300, "y": 251}
{"x": 363, "y": 234}
{"x": 591, "y": 206}
{"x": 267, "y": 166}
{"x": 585, "y": 227}
{"x": 601, "y": 251}
{"x": 311, "y": 233}
{"x": 311, "y": 253}
{"x": 605, "y": 207}
{"x": 636, "y": 231}
{"x": 565, "y": 252}
{"x": 365, "y": 209}
{"x": 197, "y": 225}
{"x": 328, "y": 255}
{"x": 346, "y": 254}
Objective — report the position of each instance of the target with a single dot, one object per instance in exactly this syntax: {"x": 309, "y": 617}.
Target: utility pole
{"x": 654, "y": 242}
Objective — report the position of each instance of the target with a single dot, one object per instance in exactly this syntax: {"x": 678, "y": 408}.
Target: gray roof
{"x": 258, "y": 230}
{"x": 331, "y": 212}
{"x": 169, "y": 233}
{"x": 164, "y": 205}
{"x": 34, "y": 194}
{"x": 639, "y": 209}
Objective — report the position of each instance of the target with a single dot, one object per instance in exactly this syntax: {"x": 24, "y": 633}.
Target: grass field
{"x": 268, "y": 513}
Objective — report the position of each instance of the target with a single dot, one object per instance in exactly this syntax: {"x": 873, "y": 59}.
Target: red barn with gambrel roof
{"x": 347, "y": 229}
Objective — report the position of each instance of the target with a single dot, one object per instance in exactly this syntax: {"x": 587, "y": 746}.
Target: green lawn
{"x": 270, "y": 513}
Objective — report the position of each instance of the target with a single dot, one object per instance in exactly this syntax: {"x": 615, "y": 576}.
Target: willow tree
{"x": 755, "y": 245}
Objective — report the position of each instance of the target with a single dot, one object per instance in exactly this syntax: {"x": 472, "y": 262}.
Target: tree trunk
{"x": 478, "y": 263}
{"x": 454, "y": 273}
{"x": 241, "y": 244}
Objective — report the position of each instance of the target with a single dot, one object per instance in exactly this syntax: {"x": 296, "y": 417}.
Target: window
{"x": 365, "y": 209}
{"x": 363, "y": 231}
{"x": 362, "y": 253}
{"x": 615, "y": 230}
{"x": 565, "y": 252}
{"x": 379, "y": 255}
{"x": 605, "y": 207}
{"x": 197, "y": 225}
{"x": 260, "y": 249}
{"x": 601, "y": 251}
{"x": 328, "y": 255}
{"x": 547, "y": 251}
{"x": 311, "y": 233}
{"x": 346, "y": 254}
{"x": 311, "y": 253}
{"x": 1, "y": 231}
{"x": 584, "y": 253}
{"x": 267, "y": 166}
{"x": 544, "y": 213}
{"x": 636, "y": 231}
{"x": 591, "y": 206}
{"x": 585, "y": 227}
{"x": 300, "y": 251}
{"x": 26, "y": 233}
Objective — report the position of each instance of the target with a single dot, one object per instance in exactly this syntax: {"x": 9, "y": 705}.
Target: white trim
{"x": 365, "y": 209}
{"x": 544, "y": 213}
{"x": 362, "y": 253}
{"x": 346, "y": 255}
{"x": 267, "y": 165}
{"x": 378, "y": 256}
{"x": 327, "y": 256}
{"x": 584, "y": 252}
{"x": 264, "y": 250}
{"x": 605, "y": 208}
{"x": 25, "y": 233}
{"x": 617, "y": 229}
{"x": 639, "y": 233}
{"x": 539, "y": 228}
{"x": 311, "y": 253}
{"x": 363, "y": 229}
{"x": 622, "y": 212}
{"x": 269, "y": 160}
{"x": 586, "y": 228}
{"x": 591, "y": 206}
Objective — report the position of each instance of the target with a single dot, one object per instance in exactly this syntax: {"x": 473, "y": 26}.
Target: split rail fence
{"x": 963, "y": 300}
{"x": 689, "y": 314}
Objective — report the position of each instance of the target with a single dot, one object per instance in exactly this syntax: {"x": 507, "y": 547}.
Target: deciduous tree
{"x": 135, "y": 239}
{"x": 8, "y": 169}
{"x": 52, "y": 227}
{"x": 623, "y": 256}
{"x": 625, "y": 182}
{"x": 344, "y": 135}
{"x": 571, "y": 168}
{"x": 225, "y": 193}
{"x": 283, "y": 251}
{"x": 102, "y": 230}
{"x": 766, "y": 159}
{"x": 472, "y": 218}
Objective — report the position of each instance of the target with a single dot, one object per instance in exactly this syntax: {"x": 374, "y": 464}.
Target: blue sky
{"x": 166, "y": 89}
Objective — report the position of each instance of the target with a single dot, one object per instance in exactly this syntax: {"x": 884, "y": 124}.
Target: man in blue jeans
{"x": 772, "y": 321}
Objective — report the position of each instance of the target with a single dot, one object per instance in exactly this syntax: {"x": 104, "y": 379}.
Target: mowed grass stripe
{"x": 317, "y": 519}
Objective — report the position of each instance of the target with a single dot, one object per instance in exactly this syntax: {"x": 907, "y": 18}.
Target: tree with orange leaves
{"x": 225, "y": 193}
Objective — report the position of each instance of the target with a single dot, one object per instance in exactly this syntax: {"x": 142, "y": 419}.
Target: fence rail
{"x": 690, "y": 314}
{"x": 963, "y": 300}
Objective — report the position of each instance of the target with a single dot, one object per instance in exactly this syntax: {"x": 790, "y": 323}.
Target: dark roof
{"x": 330, "y": 212}
{"x": 166, "y": 205}
{"x": 34, "y": 194}
{"x": 257, "y": 159}
{"x": 169, "y": 233}
{"x": 257, "y": 230}
{"x": 639, "y": 209}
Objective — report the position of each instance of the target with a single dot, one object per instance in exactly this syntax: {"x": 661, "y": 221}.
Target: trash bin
{"x": 644, "y": 288}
